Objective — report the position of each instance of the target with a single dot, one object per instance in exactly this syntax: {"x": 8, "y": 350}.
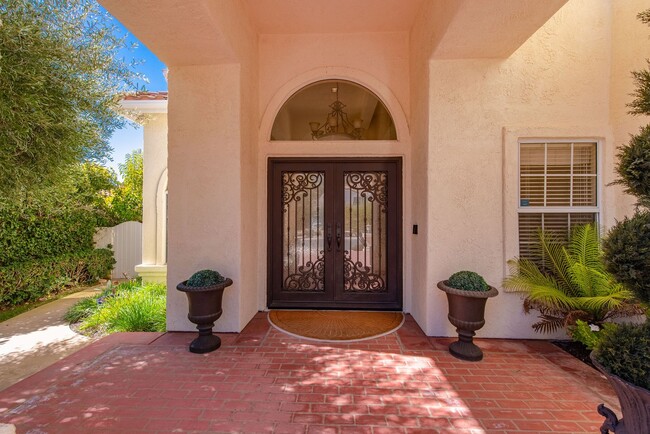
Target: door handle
{"x": 338, "y": 237}
{"x": 329, "y": 237}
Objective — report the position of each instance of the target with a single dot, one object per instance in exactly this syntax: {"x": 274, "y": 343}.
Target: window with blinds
{"x": 558, "y": 189}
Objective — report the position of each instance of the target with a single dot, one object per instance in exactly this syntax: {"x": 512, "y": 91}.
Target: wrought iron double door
{"x": 335, "y": 233}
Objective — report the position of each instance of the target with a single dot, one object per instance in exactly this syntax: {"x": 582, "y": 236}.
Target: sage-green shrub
{"x": 468, "y": 281}
{"x": 625, "y": 352}
{"x": 205, "y": 278}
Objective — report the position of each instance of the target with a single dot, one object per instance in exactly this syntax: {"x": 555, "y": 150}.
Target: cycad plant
{"x": 570, "y": 283}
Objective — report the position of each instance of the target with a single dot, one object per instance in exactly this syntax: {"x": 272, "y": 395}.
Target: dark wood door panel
{"x": 335, "y": 233}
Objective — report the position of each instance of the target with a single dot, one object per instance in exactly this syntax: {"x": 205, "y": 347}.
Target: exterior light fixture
{"x": 336, "y": 125}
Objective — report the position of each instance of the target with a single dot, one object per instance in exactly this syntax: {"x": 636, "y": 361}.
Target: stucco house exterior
{"x": 351, "y": 153}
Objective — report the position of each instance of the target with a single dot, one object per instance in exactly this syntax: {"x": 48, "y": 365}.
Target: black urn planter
{"x": 635, "y": 406}
{"x": 204, "y": 309}
{"x": 467, "y": 314}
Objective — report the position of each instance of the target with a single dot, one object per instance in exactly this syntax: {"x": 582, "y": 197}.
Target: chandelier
{"x": 336, "y": 125}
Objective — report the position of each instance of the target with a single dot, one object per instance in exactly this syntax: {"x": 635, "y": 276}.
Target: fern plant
{"x": 571, "y": 284}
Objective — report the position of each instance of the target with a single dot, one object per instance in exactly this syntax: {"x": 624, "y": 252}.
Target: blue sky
{"x": 129, "y": 138}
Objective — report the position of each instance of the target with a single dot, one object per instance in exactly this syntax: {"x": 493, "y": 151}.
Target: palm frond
{"x": 548, "y": 324}
{"x": 588, "y": 281}
{"x": 524, "y": 275}
{"x": 552, "y": 297}
{"x": 584, "y": 246}
{"x": 603, "y": 303}
{"x": 553, "y": 253}
{"x": 625, "y": 310}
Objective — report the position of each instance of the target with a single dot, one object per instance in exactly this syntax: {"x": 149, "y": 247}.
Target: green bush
{"x": 468, "y": 281}
{"x": 627, "y": 253}
{"x": 588, "y": 336}
{"x": 205, "y": 278}
{"x": 30, "y": 281}
{"x": 633, "y": 167}
{"x": 30, "y": 233}
{"x": 131, "y": 308}
{"x": 625, "y": 352}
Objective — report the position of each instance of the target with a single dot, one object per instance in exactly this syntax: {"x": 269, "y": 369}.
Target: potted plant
{"x": 467, "y": 293}
{"x": 622, "y": 354}
{"x": 204, "y": 292}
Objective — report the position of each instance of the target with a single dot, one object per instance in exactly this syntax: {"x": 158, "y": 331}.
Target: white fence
{"x": 126, "y": 239}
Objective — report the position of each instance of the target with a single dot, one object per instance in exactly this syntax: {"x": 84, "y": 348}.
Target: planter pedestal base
{"x": 464, "y": 348}
{"x": 206, "y": 341}
{"x": 205, "y": 344}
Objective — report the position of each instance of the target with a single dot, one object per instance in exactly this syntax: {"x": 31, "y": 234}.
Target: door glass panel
{"x": 303, "y": 217}
{"x": 365, "y": 195}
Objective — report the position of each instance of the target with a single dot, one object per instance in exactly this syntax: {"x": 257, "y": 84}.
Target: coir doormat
{"x": 335, "y": 326}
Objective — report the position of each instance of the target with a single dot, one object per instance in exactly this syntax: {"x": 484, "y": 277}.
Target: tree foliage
{"x": 126, "y": 202}
{"x": 60, "y": 80}
{"x": 572, "y": 285}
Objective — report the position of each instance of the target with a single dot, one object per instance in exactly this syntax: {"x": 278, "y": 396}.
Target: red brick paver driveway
{"x": 264, "y": 381}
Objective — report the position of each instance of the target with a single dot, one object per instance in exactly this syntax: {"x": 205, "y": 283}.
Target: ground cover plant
{"x": 128, "y": 307}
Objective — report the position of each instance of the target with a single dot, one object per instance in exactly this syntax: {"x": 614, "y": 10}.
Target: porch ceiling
{"x": 332, "y": 16}
{"x": 187, "y": 32}
{"x": 492, "y": 29}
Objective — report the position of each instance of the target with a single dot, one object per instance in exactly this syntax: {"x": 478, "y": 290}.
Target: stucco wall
{"x": 459, "y": 122}
{"x": 204, "y": 185}
{"x": 555, "y": 85}
{"x": 378, "y": 61}
{"x": 212, "y": 173}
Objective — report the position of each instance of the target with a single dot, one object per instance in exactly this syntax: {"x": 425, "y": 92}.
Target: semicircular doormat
{"x": 336, "y": 326}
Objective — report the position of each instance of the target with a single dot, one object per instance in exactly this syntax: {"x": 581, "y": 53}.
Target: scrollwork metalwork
{"x": 360, "y": 278}
{"x": 370, "y": 185}
{"x": 296, "y": 185}
{"x": 310, "y": 276}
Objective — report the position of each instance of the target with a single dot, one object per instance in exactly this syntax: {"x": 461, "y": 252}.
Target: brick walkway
{"x": 264, "y": 381}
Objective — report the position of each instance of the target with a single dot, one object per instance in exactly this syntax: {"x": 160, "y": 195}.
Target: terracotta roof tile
{"x": 146, "y": 96}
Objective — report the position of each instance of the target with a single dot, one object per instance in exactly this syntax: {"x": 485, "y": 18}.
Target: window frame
{"x": 596, "y": 210}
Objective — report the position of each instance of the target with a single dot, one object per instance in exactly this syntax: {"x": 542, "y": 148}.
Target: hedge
{"x": 32, "y": 280}
{"x": 626, "y": 252}
{"x": 30, "y": 233}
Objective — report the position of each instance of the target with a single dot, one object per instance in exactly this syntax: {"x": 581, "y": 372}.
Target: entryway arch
{"x": 333, "y": 109}
{"x": 362, "y": 79}
{"x": 399, "y": 148}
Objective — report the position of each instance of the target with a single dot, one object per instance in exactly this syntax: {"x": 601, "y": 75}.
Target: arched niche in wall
{"x": 333, "y": 110}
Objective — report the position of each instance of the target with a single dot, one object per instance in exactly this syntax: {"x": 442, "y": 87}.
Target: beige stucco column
{"x": 154, "y": 200}
{"x": 150, "y": 108}
{"x": 205, "y": 182}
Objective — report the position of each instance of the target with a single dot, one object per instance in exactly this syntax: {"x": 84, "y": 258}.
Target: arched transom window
{"x": 333, "y": 110}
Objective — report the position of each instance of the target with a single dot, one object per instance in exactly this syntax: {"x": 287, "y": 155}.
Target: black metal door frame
{"x": 333, "y": 296}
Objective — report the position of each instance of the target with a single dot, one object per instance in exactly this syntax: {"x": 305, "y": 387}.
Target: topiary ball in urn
{"x": 468, "y": 281}
{"x": 205, "y": 278}
{"x": 467, "y": 292}
{"x": 204, "y": 291}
